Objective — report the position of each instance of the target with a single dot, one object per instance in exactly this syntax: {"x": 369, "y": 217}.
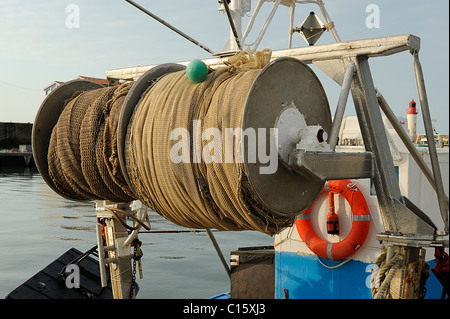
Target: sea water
{"x": 37, "y": 226}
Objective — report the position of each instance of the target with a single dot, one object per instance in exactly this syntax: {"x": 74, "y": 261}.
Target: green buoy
{"x": 197, "y": 71}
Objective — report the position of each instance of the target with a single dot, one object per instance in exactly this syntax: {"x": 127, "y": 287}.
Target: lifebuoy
{"x": 357, "y": 235}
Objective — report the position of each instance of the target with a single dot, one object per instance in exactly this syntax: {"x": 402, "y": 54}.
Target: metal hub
{"x": 290, "y": 125}
{"x": 283, "y": 82}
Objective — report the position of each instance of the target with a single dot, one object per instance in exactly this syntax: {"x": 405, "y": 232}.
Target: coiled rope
{"x": 383, "y": 274}
{"x": 384, "y": 271}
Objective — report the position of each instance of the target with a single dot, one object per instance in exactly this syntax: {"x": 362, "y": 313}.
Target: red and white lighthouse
{"x": 411, "y": 117}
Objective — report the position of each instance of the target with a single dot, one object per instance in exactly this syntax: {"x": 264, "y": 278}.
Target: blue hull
{"x": 304, "y": 277}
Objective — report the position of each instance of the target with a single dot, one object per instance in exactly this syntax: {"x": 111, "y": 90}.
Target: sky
{"x": 42, "y": 42}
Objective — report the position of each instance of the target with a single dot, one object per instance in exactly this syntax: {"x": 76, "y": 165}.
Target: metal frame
{"x": 276, "y": 3}
{"x": 443, "y": 204}
{"x": 317, "y": 54}
{"x": 351, "y": 57}
{"x": 348, "y": 64}
{"x": 375, "y": 140}
{"x": 333, "y": 59}
{"x": 118, "y": 244}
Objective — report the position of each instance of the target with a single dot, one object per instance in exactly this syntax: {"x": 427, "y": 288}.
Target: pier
{"x": 15, "y": 144}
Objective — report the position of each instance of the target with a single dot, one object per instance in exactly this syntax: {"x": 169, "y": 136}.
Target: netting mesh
{"x": 213, "y": 192}
{"x": 192, "y": 179}
{"x": 82, "y": 154}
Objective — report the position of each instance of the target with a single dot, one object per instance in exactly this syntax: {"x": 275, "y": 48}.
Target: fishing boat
{"x": 363, "y": 205}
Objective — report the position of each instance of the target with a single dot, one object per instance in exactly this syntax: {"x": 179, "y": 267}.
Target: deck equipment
{"x": 278, "y": 102}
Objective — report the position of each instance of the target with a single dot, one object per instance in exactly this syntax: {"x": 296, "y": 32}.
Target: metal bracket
{"x": 118, "y": 243}
{"x": 412, "y": 220}
{"x": 331, "y": 165}
{"x": 101, "y": 255}
{"x": 416, "y": 229}
{"x": 303, "y": 148}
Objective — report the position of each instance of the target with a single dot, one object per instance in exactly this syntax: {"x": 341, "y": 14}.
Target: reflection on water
{"x": 30, "y": 204}
{"x": 77, "y": 228}
{"x": 38, "y": 226}
{"x": 64, "y": 217}
{"x": 62, "y": 238}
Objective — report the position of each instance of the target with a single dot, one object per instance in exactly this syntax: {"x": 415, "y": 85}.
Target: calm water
{"x": 37, "y": 226}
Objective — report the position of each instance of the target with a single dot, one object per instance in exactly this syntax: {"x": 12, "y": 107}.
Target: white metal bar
{"x": 407, "y": 142}
{"x": 328, "y": 21}
{"x": 101, "y": 255}
{"x": 252, "y": 21}
{"x": 369, "y": 47}
{"x": 430, "y": 137}
{"x": 266, "y": 24}
{"x": 232, "y": 25}
{"x": 120, "y": 255}
{"x": 291, "y": 25}
{"x": 342, "y": 102}
{"x": 375, "y": 140}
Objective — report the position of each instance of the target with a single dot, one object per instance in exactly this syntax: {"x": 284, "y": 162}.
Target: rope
{"x": 383, "y": 273}
{"x": 329, "y": 26}
{"x": 390, "y": 268}
{"x": 115, "y": 211}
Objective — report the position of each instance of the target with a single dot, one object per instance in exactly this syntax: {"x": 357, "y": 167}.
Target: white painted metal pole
{"x": 407, "y": 141}
{"x": 266, "y": 24}
{"x": 291, "y": 26}
{"x": 119, "y": 260}
{"x": 252, "y": 21}
{"x": 342, "y": 102}
{"x": 328, "y": 21}
{"x": 430, "y": 137}
{"x": 101, "y": 255}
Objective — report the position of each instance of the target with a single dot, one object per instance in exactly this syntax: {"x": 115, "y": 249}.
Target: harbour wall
{"x": 14, "y": 134}
{"x": 15, "y": 144}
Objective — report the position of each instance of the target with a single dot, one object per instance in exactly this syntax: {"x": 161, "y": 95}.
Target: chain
{"x": 137, "y": 255}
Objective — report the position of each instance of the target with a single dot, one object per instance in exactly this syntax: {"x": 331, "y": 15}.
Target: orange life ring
{"x": 357, "y": 235}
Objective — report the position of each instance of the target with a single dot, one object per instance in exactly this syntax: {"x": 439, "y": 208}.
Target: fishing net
{"x": 163, "y": 150}
{"x": 82, "y": 155}
{"x": 196, "y": 181}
